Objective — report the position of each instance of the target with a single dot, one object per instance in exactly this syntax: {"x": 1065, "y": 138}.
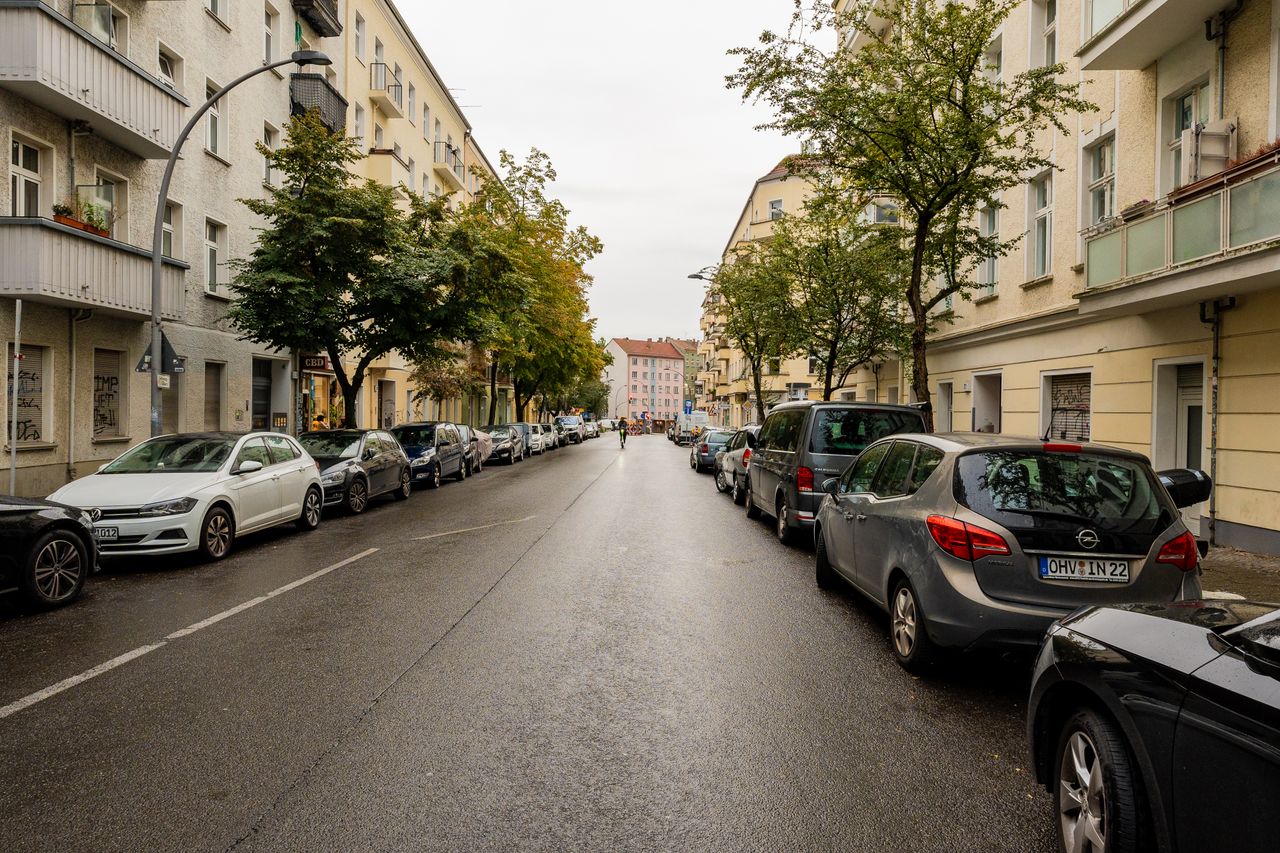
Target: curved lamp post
{"x": 301, "y": 57}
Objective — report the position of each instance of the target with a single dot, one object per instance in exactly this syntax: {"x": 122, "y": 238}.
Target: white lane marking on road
{"x": 471, "y": 529}
{"x": 120, "y": 660}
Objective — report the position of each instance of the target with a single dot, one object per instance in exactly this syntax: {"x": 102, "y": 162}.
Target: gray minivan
{"x": 803, "y": 443}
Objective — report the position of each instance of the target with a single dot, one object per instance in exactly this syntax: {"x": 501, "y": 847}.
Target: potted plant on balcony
{"x": 85, "y": 216}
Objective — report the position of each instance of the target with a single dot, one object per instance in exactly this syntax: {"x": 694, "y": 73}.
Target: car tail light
{"x": 746, "y": 456}
{"x": 1181, "y": 551}
{"x": 1058, "y": 447}
{"x": 804, "y": 479}
{"x": 966, "y": 541}
{"x": 704, "y": 450}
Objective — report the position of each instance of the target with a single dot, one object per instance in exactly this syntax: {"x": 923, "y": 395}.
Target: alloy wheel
{"x": 721, "y": 485}
{"x": 311, "y": 508}
{"x": 1082, "y": 799}
{"x": 904, "y": 621}
{"x": 217, "y": 535}
{"x": 58, "y": 569}
{"x": 358, "y": 496}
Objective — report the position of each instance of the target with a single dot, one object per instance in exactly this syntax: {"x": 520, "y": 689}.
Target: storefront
{"x": 321, "y": 400}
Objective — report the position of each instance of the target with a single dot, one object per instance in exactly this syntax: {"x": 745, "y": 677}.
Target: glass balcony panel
{"x": 1197, "y": 229}
{"x": 1146, "y": 246}
{"x": 1255, "y": 210}
{"x": 1103, "y": 262}
{"x": 1103, "y": 12}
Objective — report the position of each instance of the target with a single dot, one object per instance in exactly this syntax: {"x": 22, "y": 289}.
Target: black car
{"x": 1157, "y": 726}
{"x": 47, "y": 550}
{"x": 508, "y": 444}
{"x": 435, "y": 450}
{"x": 357, "y": 465}
{"x": 803, "y": 443}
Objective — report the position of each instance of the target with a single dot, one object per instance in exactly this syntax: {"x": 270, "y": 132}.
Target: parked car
{"x": 532, "y": 435}
{"x": 972, "y": 539}
{"x": 1161, "y": 723}
{"x": 702, "y": 455}
{"x": 607, "y": 425}
{"x": 803, "y": 443}
{"x": 689, "y": 427}
{"x": 574, "y": 430}
{"x": 47, "y": 550}
{"x": 197, "y": 491}
{"x": 550, "y": 437}
{"x": 474, "y": 455}
{"x": 508, "y": 444}
{"x": 731, "y": 462}
{"x": 435, "y": 450}
{"x": 359, "y": 465}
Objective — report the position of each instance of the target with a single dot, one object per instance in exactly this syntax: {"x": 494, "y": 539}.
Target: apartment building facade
{"x": 646, "y": 379}
{"x": 92, "y": 98}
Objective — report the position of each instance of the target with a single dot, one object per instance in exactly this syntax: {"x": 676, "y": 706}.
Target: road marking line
{"x": 120, "y": 660}
{"x": 471, "y": 529}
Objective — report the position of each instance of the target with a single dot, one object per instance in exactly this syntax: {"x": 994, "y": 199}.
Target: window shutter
{"x": 213, "y": 396}
{"x": 107, "y": 393}
{"x": 1070, "y": 407}
{"x": 30, "y": 395}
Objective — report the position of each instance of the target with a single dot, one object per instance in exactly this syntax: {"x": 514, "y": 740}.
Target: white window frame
{"x": 173, "y": 79}
{"x": 378, "y": 136}
{"x": 119, "y": 218}
{"x": 1201, "y": 95}
{"x": 775, "y": 209}
{"x": 270, "y": 139}
{"x": 360, "y": 42}
{"x": 216, "y": 8}
{"x": 215, "y": 132}
{"x": 21, "y": 177}
{"x": 412, "y": 112}
{"x": 215, "y": 256}
{"x": 993, "y": 59}
{"x": 426, "y": 122}
{"x": 1103, "y": 183}
{"x": 1046, "y": 383}
{"x": 1040, "y": 226}
{"x": 358, "y": 124}
{"x": 270, "y": 23}
{"x": 989, "y": 267}
{"x": 171, "y": 229}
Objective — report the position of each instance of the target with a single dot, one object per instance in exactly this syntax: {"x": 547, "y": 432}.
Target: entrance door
{"x": 987, "y": 393}
{"x": 386, "y": 404}
{"x": 942, "y": 420}
{"x": 1190, "y": 429}
{"x": 261, "y": 394}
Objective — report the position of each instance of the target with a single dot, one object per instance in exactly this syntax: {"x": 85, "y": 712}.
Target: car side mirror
{"x": 830, "y": 485}
{"x": 369, "y": 453}
{"x": 1187, "y": 486}
{"x": 248, "y": 467}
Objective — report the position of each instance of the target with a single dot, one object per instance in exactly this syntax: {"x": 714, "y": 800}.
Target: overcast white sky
{"x": 653, "y": 154}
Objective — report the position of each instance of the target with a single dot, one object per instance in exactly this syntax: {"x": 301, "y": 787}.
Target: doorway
{"x": 386, "y": 403}
{"x": 261, "y": 399}
{"x": 942, "y": 421}
{"x": 987, "y": 402}
{"x": 1178, "y": 439}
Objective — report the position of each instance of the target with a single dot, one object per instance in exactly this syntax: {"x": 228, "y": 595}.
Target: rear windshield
{"x": 847, "y": 432}
{"x": 1027, "y": 488}
{"x": 717, "y": 437}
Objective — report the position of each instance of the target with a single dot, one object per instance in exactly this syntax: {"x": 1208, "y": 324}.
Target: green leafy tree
{"x": 756, "y": 312}
{"x": 918, "y": 114}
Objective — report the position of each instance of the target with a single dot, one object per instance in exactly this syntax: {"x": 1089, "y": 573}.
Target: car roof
{"x": 422, "y": 424}
{"x": 961, "y": 442}
{"x": 843, "y": 404}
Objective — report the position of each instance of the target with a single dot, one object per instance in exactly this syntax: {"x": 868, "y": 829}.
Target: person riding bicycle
{"x": 622, "y": 432}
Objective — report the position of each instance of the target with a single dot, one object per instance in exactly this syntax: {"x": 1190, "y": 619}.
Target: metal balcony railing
{"x": 382, "y": 80}
{"x": 308, "y": 91}
{"x": 450, "y": 157}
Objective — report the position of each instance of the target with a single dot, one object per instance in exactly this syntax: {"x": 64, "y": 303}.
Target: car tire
{"x": 462, "y": 472}
{"x": 753, "y": 511}
{"x": 692, "y": 462}
{"x": 913, "y": 648}
{"x": 56, "y": 568}
{"x": 722, "y": 485}
{"x": 738, "y": 493}
{"x": 217, "y": 534}
{"x": 782, "y": 521}
{"x": 1101, "y": 782}
{"x": 312, "y": 507}
{"x": 822, "y": 572}
{"x": 406, "y": 486}
{"x": 433, "y": 482}
{"x": 357, "y": 498}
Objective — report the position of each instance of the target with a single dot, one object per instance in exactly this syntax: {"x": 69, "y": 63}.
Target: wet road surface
{"x": 615, "y": 659}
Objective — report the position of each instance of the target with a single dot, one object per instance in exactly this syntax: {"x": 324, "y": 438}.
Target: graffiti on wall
{"x": 30, "y": 403}
{"x": 106, "y": 405}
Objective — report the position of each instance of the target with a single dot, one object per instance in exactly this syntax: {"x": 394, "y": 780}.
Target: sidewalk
{"x": 1255, "y": 576}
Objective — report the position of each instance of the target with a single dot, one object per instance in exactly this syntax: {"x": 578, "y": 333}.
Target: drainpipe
{"x": 1211, "y": 315}
{"x": 13, "y": 411}
{"x": 1224, "y": 18}
{"x": 73, "y": 317}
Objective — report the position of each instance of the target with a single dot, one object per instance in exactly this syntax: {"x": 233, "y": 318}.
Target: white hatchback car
{"x": 197, "y": 491}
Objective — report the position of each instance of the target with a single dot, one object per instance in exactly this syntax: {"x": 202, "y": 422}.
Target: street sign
{"x": 169, "y": 362}
{"x": 688, "y": 407}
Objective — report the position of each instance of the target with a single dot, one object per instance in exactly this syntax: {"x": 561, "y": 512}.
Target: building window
{"x": 102, "y": 21}
{"x": 413, "y": 173}
{"x": 1066, "y": 406}
{"x": 1102, "y": 180}
{"x": 775, "y": 208}
{"x": 269, "y": 18}
{"x": 439, "y": 130}
{"x": 993, "y": 59}
{"x": 217, "y": 7}
{"x": 1045, "y": 18}
{"x": 215, "y": 122}
{"x": 359, "y": 124}
{"x": 269, "y": 138}
{"x": 108, "y": 198}
{"x": 24, "y": 179}
{"x": 426, "y": 185}
{"x": 426, "y": 122}
{"x": 171, "y": 231}
{"x": 378, "y": 51}
{"x": 377, "y": 135}
{"x": 32, "y": 423}
{"x": 215, "y": 240}
{"x": 1189, "y": 109}
{"x": 989, "y": 268}
{"x": 108, "y": 396}
{"x": 170, "y": 67}
{"x": 1042, "y": 225}
{"x": 359, "y": 38}
{"x": 413, "y": 104}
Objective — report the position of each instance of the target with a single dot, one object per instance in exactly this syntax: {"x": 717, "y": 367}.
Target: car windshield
{"x": 501, "y": 432}
{"x": 409, "y": 436}
{"x": 176, "y": 454}
{"x": 567, "y": 421}
{"x": 1032, "y": 488}
{"x": 330, "y": 445}
{"x": 848, "y": 431}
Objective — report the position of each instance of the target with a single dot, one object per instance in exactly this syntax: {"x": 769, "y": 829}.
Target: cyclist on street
{"x": 622, "y": 432}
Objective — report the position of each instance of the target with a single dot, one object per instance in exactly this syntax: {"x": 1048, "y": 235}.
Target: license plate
{"x": 106, "y": 534}
{"x": 1084, "y": 569}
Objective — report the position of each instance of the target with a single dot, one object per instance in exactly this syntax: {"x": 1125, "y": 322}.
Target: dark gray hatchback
{"x": 803, "y": 443}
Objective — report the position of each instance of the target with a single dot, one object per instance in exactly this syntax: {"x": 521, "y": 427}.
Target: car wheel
{"x": 722, "y": 485}
{"x": 309, "y": 518}
{"x": 738, "y": 492}
{"x": 56, "y": 568}
{"x": 782, "y": 516}
{"x": 822, "y": 571}
{"x": 1095, "y": 787}
{"x": 909, "y": 630}
{"x": 692, "y": 463}
{"x": 217, "y": 534}
{"x": 753, "y": 511}
{"x": 406, "y": 486}
{"x": 358, "y": 496}
{"x": 433, "y": 482}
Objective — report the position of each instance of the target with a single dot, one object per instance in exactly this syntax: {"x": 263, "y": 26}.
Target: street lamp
{"x": 301, "y": 57}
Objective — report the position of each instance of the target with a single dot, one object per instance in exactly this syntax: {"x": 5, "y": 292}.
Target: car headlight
{"x": 333, "y": 478}
{"x": 506, "y": 445}
{"x": 175, "y": 507}
{"x": 424, "y": 459}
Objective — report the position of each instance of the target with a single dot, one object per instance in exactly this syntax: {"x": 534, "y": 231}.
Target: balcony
{"x": 1216, "y": 238}
{"x": 448, "y": 164}
{"x": 57, "y": 65}
{"x": 385, "y": 90}
{"x": 322, "y": 15}
{"x": 45, "y": 261}
{"x": 313, "y": 92}
{"x": 387, "y": 168}
{"x": 1132, "y": 34}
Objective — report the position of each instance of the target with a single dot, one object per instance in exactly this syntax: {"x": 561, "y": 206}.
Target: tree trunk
{"x": 920, "y": 325}
{"x": 350, "y": 387}
{"x": 758, "y": 384}
{"x": 493, "y": 392}
{"x": 829, "y": 373}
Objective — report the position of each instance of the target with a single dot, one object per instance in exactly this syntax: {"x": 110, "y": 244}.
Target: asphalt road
{"x": 617, "y": 659}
